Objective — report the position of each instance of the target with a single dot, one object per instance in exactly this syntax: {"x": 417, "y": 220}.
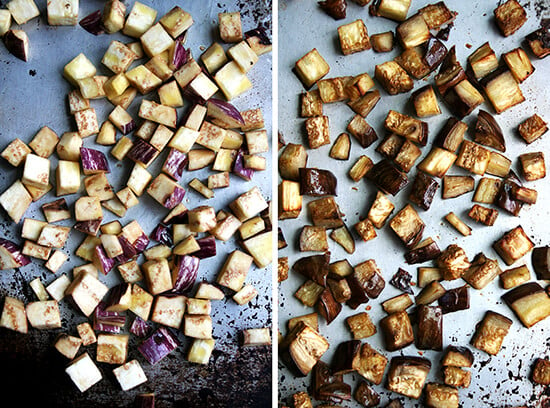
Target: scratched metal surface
{"x": 32, "y": 95}
{"x": 500, "y": 381}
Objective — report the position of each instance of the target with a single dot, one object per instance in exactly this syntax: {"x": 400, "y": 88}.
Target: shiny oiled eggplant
{"x": 488, "y": 131}
{"x": 397, "y": 331}
{"x": 328, "y": 307}
{"x": 390, "y": 146}
{"x": 454, "y": 300}
{"x": 439, "y": 395}
{"x": 423, "y": 190}
{"x": 358, "y": 294}
{"x": 408, "y": 226}
{"x": 453, "y": 262}
{"x": 540, "y": 257}
{"x": 328, "y": 386}
{"x": 430, "y": 293}
{"x": 346, "y": 356}
{"x": 457, "y": 356}
{"x": 403, "y": 125}
{"x": 539, "y": 40}
{"x": 334, "y": 8}
{"x": 317, "y": 182}
{"x": 281, "y": 241}
{"x": 366, "y": 395}
{"x": 505, "y": 198}
{"x": 387, "y": 177}
{"x": 407, "y": 375}
{"x": 457, "y": 377}
{"x": 324, "y": 212}
{"x": 451, "y": 135}
{"x": 450, "y": 73}
{"x": 430, "y": 328}
{"x": 402, "y": 281}
{"x": 541, "y": 372}
{"x": 513, "y": 245}
{"x": 529, "y": 302}
{"x": 397, "y": 303}
{"x": 340, "y": 289}
{"x": 314, "y": 267}
{"x": 481, "y": 272}
{"x": 362, "y": 131}
{"x": 435, "y": 53}
{"x": 371, "y": 364}
{"x": 454, "y": 186}
{"x": 423, "y": 253}
{"x": 370, "y": 278}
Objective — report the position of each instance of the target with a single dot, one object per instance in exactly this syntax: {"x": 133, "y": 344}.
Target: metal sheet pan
{"x": 33, "y": 95}
{"x": 496, "y": 381}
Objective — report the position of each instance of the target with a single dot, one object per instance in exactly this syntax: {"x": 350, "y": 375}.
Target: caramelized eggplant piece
{"x": 293, "y": 157}
{"x": 302, "y": 348}
{"x": 430, "y": 328}
{"x": 358, "y": 294}
{"x": 510, "y": 16}
{"x": 423, "y": 190}
{"x": 457, "y": 377}
{"x": 371, "y": 364}
{"x": 387, "y": 177}
{"x": 411, "y": 61}
{"x": 490, "y": 332}
{"x": 281, "y": 241}
{"x": 450, "y": 73}
{"x": 314, "y": 267}
{"x": 345, "y": 357}
{"x": 362, "y": 131}
{"x": 532, "y": 128}
{"x": 365, "y": 395}
{"x": 340, "y": 289}
{"x": 316, "y": 182}
{"x": 453, "y": 262}
{"x": 341, "y": 147}
{"x": 393, "y": 9}
{"x": 282, "y": 269}
{"x": 454, "y": 186}
{"x": 441, "y": 396}
{"x": 361, "y": 325}
{"x": 407, "y": 155}
{"x": 502, "y": 89}
{"x": 370, "y": 278}
{"x": 328, "y": 307}
{"x": 396, "y": 403}
{"x": 458, "y": 224}
{"x": 366, "y": 103}
{"x": 424, "y": 252}
{"x": 437, "y": 162}
{"x": 524, "y": 194}
{"x": 397, "y": 331}
{"x": 317, "y": 131}
{"x": 360, "y": 169}
{"x": 334, "y": 8}
{"x": 413, "y": 32}
{"x": 505, "y": 198}
{"x": 309, "y": 293}
{"x": 343, "y": 238}
{"x": 403, "y": 125}
{"x": 457, "y": 356}
{"x": 514, "y": 277}
{"x": 541, "y": 372}
{"x": 393, "y": 78}
{"x": 324, "y": 212}
{"x": 473, "y": 157}
{"x": 482, "y": 62}
{"x": 513, "y": 245}
{"x": 425, "y": 102}
{"x": 382, "y": 42}
{"x": 533, "y": 166}
{"x": 407, "y": 375}
{"x": 340, "y": 269}
{"x": 483, "y": 215}
{"x": 450, "y": 137}
{"x": 454, "y": 300}
{"x": 488, "y": 132}
{"x": 408, "y": 226}
{"x": 539, "y": 40}
{"x": 435, "y": 53}
{"x": 499, "y": 165}
{"x": 380, "y": 210}
{"x": 487, "y": 190}
{"x": 463, "y": 98}
{"x": 390, "y": 146}
{"x": 397, "y": 303}
{"x": 430, "y": 293}
{"x": 402, "y": 281}
{"x": 365, "y": 229}
{"x": 540, "y": 257}
{"x": 290, "y": 200}
{"x": 301, "y": 400}
{"x": 529, "y": 302}
{"x": 328, "y": 386}
{"x": 313, "y": 238}
{"x": 444, "y": 33}
{"x": 437, "y": 15}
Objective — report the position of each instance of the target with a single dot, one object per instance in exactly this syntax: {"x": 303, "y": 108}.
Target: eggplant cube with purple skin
{"x": 112, "y": 348}
{"x": 140, "y": 19}
{"x": 407, "y": 375}
{"x": 83, "y": 372}
{"x": 529, "y": 302}
{"x": 130, "y": 375}
{"x": 232, "y": 80}
{"x": 157, "y": 275}
{"x": 166, "y": 191}
{"x": 234, "y": 271}
{"x": 14, "y": 315}
{"x": 44, "y": 315}
{"x": 86, "y": 291}
{"x": 169, "y": 310}
{"x": 15, "y": 200}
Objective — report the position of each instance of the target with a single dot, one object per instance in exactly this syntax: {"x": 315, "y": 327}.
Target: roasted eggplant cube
{"x": 407, "y": 375}
{"x": 490, "y": 332}
{"x": 365, "y": 229}
{"x": 311, "y": 104}
{"x": 514, "y": 277}
{"x": 411, "y": 61}
{"x": 317, "y": 182}
{"x": 450, "y": 137}
{"x": 397, "y": 331}
{"x": 503, "y": 90}
{"x": 529, "y": 302}
{"x": 313, "y": 238}
{"x": 382, "y": 42}
{"x": 393, "y": 78}
{"x": 425, "y": 102}
{"x": 293, "y": 157}
{"x": 454, "y": 300}
{"x": 513, "y": 245}
{"x": 463, "y": 98}
{"x": 380, "y": 210}
{"x": 341, "y": 147}
{"x": 532, "y": 166}
{"x": 413, "y": 32}
{"x": 317, "y": 130}
{"x": 408, "y": 226}
{"x": 397, "y": 303}
{"x": 366, "y": 103}
{"x": 519, "y": 64}
{"x": 333, "y": 89}
{"x": 540, "y": 259}
{"x": 441, "y": 396}
{"x": 541, "y": 372}
{"x": 362, "y": 131}
{"x": 366, "y": 395}
{"x": 311, "y": 67}
{"x": 361, "y": 325}
{"x": 423, "y": 190}
{"x": 436, "y": 15}
{"x": 430, "y": 328}
{"x": 230, "y": 27}
{"x": 314, "y": 267}
{"x": 532, "y": 128}
{"x": 454, "y": 186}
{"x": 457, "y": 357}
{"x": 343, "y": 237}
{"x": 303, "y": 347}
{"x": 453, "y": 262}
{"x": 510, "y": 16}
{"x": 437, "y": 162}
{"x": 387, "y": 177}
{"x": 290, "y": 200}
{"x": 360, "y": 168}
{"x": 483, "y": 61}
{"x": 473, "y": 157}
{"x": 457, "y": 377}
{"x": 487, "y": 190}
{"x": 324, "y": 212}
{"x": 302, "y": 400}
{"x": 393, "y": 9}
{"x": 353, "y": 37}
{"x": 403, "y": 125}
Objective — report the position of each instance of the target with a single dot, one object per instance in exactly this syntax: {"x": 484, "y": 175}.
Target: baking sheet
{"x": 33, "y": 95}
{"x": 496, "y": 381}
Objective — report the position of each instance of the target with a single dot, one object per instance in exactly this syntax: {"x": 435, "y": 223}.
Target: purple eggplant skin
{"x": 317, "y": 182}
{"x": 260, "y": 33}
{"x": 328, "y": 307}
{"x": 142, "y": 152}
{"x": 346, "y": 352}
{"x": 175, "y": 198}
{"x": 328, "y": 386}
{"x": 430, "y": 328}
{"x": 181, "y": 55}
{"x": 109, "y": 318}
{"x": 92, "y": 23}
{"x": 402, "y": 281}
{"x": 334, "y": 8}
{"x": 144, "y": 401}
{"x": 540, "y": 258}
{"x": 207, "y": 247}
{"x": 11, "y": 256}
{"x": 163, "y": 234}
{"x": 435, "y": 53}
{"x": 129, "y": 251}
{"x": 104, "y": 263}
{"x": 17, "y": 43}
{"x": 454, "y": 300}
{"x": 93, "y": 161}
{"x": 444, "y": 33}
{"x": 185, "y": 275}
{"x": 314, "y": 267}
{"x": 140, "y": 327}
{"x": 423, "y": 190}
{"x": 358, "y": 293}
{"x": 161, "y": 343}
{"x": 224, "y": 112}
{"x": 423, "y": 254}
{"x": 116, "y": 294}
{"x": 175, "y": 164}
{"x": 366, "y": 395}
{"x": 90, "y": 227}
{"x": 387, "y": 177}
{"x": 239, "y": 169}
{"x": 505, "y": 197}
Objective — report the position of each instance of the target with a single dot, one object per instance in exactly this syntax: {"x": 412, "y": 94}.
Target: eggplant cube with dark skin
{"x": 407, "y": 155}
{"x": 510, "y": 17}
{"x": 303, "y": 347}
{"x": 490, "y": 332}
{"x": 513, "y": 245}
{"x": 532, "y": 128}
{"x": 541, "y": 372}
{"x": 366, "y": 395}
{"x": 483, "y": 61}
{"x": 353, "y": 37}
{"x": 407, "y": 375}
{"x": 362, "y": 131}
{"x": 408, "y": 226}
{"x": 397, "y": 330}
{"x": 529, "y": 302}
{"x": 441, "y": 396}
{"x": 393, "y": 78}
{"x": 423, "y": 190}
{"x": 411, "y": 61}
{"x": 311, "y": 67}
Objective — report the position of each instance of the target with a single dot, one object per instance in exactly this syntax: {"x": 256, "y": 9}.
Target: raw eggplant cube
{"x": 198, "y": 326}
{"x": 140, "y": 19}
{"x": 53, "y": 236}
{"x": 44, "y": 142}
{"x": 156, "y": 40}
{"x": 69, "y": 146}
{"x": 243, "y": 55}
{"x": 31, "y": 228}
{"x": 259, "y": 246}
{"x": 187, "y": 73}
{"x": 39, "y": 289}
{"x": 139, "y": 179}
{"x": 164, "y": 115}
{"x": 5, "y": 21}
{"x": 78, "y": 68}
{"x": 44, "y": 315}
{"x": 68, "y": 345}
{"x": 55, "y": 262}
{"x": 196, "y": 117}
{"x": 130, "y": 375}
{"x": 169, "y": 310}
{"x": 249, "y": 204}
{"x": 183, "y": 139}
{"x": 234, "y": 271}
{"x": 87, "y": 209}
{"x": 200, "y": 351}
{"x": 203, "y": 86}
{"x": 245, "y": 295}
{"x": 62, "y": 12}
{"x": 157, "y": 275}
{"x": 14, "y": 316}
{"x": 113, "y": 16}
{"x": 170, "y": 95}
{"x": 77, "y": 102}
{"x": 92, "y": 88}
{"x": 176, "y": 21}
{"x": 86, "y": 333}
{"x": 15, "y": 200}
{"x": 166, "y": 191}
{"x": 86, "y": 122}
{"x": 159, "y": 66}
{"x": 211, "y": 136}
{"x": 16, "y": 152}
{"x": 311, "y": 68}
{"x": 116, "y": 85}
{"x": 143, "y": 79}
{"x": 23, "y": 11}
{"x": 36, "y": 251}
{"x": 231, "y": 30}
{"x": 112, "y": 348}
{"x": 214, "y": 58}
{"x": 86, "y": 292}
{"x": 142, "y": 302}
{"x": 36, "y": 172}
{"x": 83, "y": 372}
{"x": 98, "y": 186}
{"x": 232, "y": 81}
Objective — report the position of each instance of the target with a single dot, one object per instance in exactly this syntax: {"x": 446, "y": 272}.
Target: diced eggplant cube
{"x": 430, "y": 328}
{"x": 139, "y": 179}
{"x": 532, "y": 128}
{"x": 514, "y": 277}
{"x": 483, "y": 61}
{"x": 313, "y": 238}
{"x": 532, "y": 166}
{"x": 234, "y": 271}
{"x": 86, "y": 292}
{"x": 311, "y": 67}
{"x": 112, "y": 348}
{"x": 243, "y": 55}
{"x": 17, "y": 43}
{"x": 22, "y": 11}
{"x": 408, "y": 226}
{"x": 86, "y": 122}
{"x": 362, "y": 131}
{"x": 69, "y": 146}
{"x": 44, "y": 315}
{"x": 79, "y": 68}
{"x": 166, "y": 191}
{"x": 353, "y": 37}
{"x": 397, "y": 330}
{"x": 382, "y": 42}
{"x": 249, "y": 204}
{"x": 169, "y": 310}
{"x": 44, "y": 142}
{"x": 245, "y": 295}
{"x": 198, "y": 326}
{"x": 529, "y": 302}
{"x": 36, "y": 172}
{"x": 16, "y": 152}
{"x": 425, "y": 102}
{"x": 98, "y": 186}
{"x": 393, "y": 9}
{"x": 86, "y": 334}
{"x": 83, "y": 372}
{"x": 176, "y": 21}
{"x": 88, "y": 209}
{"x": 361, "y": 326}
{"x": 458, "y": 224}
{"x": 145, "y": 81}
{"x": 68, "y": 345}
{"x": 157, "y": 275}
{"x": 510, "y": 16}
{"x": 413, "y": 32}
{"x": 14, "y": 315}
{"x": 503, "y": 91}
{"x": 259, "y": 246}
{"x": 113, "y": 16}
{"x": 407, "y": 375}
{"x": 490, "y": 332}
{"x": 53, "y": 236}
{"x": 232, "y": 80}
{"x": 293, "y": 157}
{"x": 457, "y": 357}
{"x": 5, "y": 21}
{"x": 142, "y": 302}
{"x": 303, "y": 347}
{"x": 15, "y": 200}
{"x": 130, "y": 375}
{"x": 441, "y": 396}
{"x": 39, "y": 289}
{"x": 156, "y": 40}
{"x": 473, "y": 157}
{"x": 541, "y": 372}
{"x": 164, "y": 115}
{"x": 140, "y": 19}
{"x": 34, "y": 250}
{"x": 457, "y": 377}
{"x": 55, "y": 262}
{"x": 311, "y": 104}
{"x": 513, "y": 245}
{"x": 393, "y": 78}
{"x": 437, "y": 162}
{"x": 200, "y": 351}
{"x": 403, "y": 125}
{"x": 230, "y": 27}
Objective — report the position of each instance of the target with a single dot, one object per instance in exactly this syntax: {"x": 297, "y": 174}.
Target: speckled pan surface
{"x": 32, "y": 95}
{"x": 500, "y": 381}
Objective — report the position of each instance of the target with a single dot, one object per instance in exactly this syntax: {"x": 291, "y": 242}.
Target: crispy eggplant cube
{"x": 303, "y": 347}
{"x": 311, "y": 104}
{"x": 513, "y": 245}
{"x": 408, "y": 226}
{"x": 437, "y": 162}
{"x": 510, "y": 16}
{"x": 371, "y": 364}
{"x": 532, "y": 166}
{"x": 317, "y": 131}
{"x": 407, "y": 375}
{"x": 325, "y": 212}
{"x": 453, "y": 262}
{"x": 473, "y": 157}
{"x": 457, "y": 377}
{"x": 380, "y": 210}
{"x": 423, "y": 190}
{"x": 311, "y": 68}
{"x": 519, "y": 64}
{"x": 413, "y": 32}
{"x": 397, "y": 330}
{"x": 441, "y": 396}
{"x": 293, "y": 157}
{"x": 353, "y": 37}
{"x": 529, "y": 302}
{"x": 532, "y": 128}
{"x": 361, "y": 326}
{"x": 393, "y": 78}
{"x": 490, "y": 332}
{"x": 360, "y": 168}
{"x": 425, "y": 102}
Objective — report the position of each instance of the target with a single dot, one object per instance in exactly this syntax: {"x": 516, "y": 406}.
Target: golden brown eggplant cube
{"x": 513, "y": 245}
{"x": 361, "y": 325}
{"x": 490, "y": 332}
{"x": 311, "y": 67}
{"x": 533, "y": 166}
{"x": 393, "y": 78}
{"x": 311, "y": 104}
{"x": 532, "y": 128}
{"x": 408, "y": 226}
{"x": 441, "y": 396}
{"x": 354, "y": 37}
{"x": 365, "y": 229}
{"x": 397, "y": 330}
{"x": 313, "y": 238}
{"x": 425, "y": 102}
{"x": 541, "y": 372}
{"x": 473, "y": 157}
{"x": 371, "y": 364}
{"x": 317, "y": 131}
{"x": 457, "y": 377}
{"x": 510, "y": 16}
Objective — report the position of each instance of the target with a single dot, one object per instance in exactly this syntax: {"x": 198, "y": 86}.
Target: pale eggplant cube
{"x": 159, "y": 65}
{"x": 187, "y": 246}
{"x": 86, "y": 333}
{"x": 166, "y": 191}
{"x": 176, "y": 21}
{"x": 140, "y": 19}
{"x": 44, "y": 142}
{"x": 127, "y": 197}
{"x": 200, "y": 351}
{"x": 225, "y": 228}
{"x": 113, "y": 227}
{"x": 214, "y": 58}
{"x": 62, "y": 12}
{"x": 88, "y": 209}
{"x": 32, "y": 228}
{"x": 125, "y": 99}
{"x": 86, "y": 292}
{"x": 198, "y": 326}
{"x": 69, "y": 146}
{"x": 83, "y": 372}
{"x": 218, "y": 180}
{"x": 112, "y": 348}
{"x": 234, "y": 271}
{"x": 187, "y": 73}
{"x": 87, "y": 248}
{"x": 142, "y": 301}
{"x": 111, "y": 245}
{"x": 36, "y": 172}
{"x": 5, "y": 21}
{"x": 157, "y": 275}
{"x": 249, "y": 204}
{"x": 253, "y": 119}
{"x": 184, "y": 139}
{"x": 79, "y": 67}
{"x": 122, "y": 120}
{"x": 143, "y": 79}
{"x": 16, "y": 152}
{"x": 259, "y": 246}
{"x": 161, "y": 137}
{"x": 224, "y": 160}
{"x": 156, "y": 40}
{"x": 23, "y": 11}
{"x": 133, "y": 231}
{"x": 57, "y": 210}
{"x": 55, "y": 262}
{"x": 68, "y": 177}
{"x": 209, "y": 292}
{"x": 113, "y": 16}
{"x": 36, "y": 251}
{"x": 231, "y": 30}
{"x": 181, "y": 232}
{"x": 39, "y": 289}
{"x": 57, "y": 288}
{"x": 92, "y": 88}
{"x": 139, "y": 179}
{"x": 15, "y": 200}
{"x": 256, "y": 337}
{"x": 170, "y": 95}
{"x": 211, "y": 136}
{"x": 68, "y": 345}
{"x": 53, "y": 236}
{"x": 243, "y": 55}
{"x": 116, "y": 85}
{"x": 86, "y": 122}
{"x": 115, "y": 206}
{"x": 38, "y": 193}
{"x": 88, "y": 268}
{"x": 77, "y": 102}
{"x": 232, "y": 80}
{"x": 44, "y": 315}
{"x": 203, "y": 86}
{"x": 164, "y": 115}
{"x": 311, "y": 68}
{"x": 169, "y": 310}
{"x": 98, "y": 186}
{"x": 14, "y": 316}
{"x": 202, "y": 218}
{"x": 245, "y": 295}
{"x": 257, "y": 141}
{"x": 130, "y": 375}
{"x": 198, "y": 306}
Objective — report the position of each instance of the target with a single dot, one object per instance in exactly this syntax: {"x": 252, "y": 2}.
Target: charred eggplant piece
{"x": 366, "y": 396}
{"x": 370, "y": 278}
{"x": 483, "y": 215}
{"x": 453, "y": 262}
{"x": 463, "y": 98}
{"x": 513, "y": 245}
{"x": 413, "y": 129}
{"x": 488, "y": 131}
{"x": 457, "y": 356}
{"x": 390, "y": 146}
{"x": 441, "y": 396}
{"x": 387, "y": 177}
{"x": 540, "y": 258}
{"x": 435, "y": 53}
{"x": 454, "y": 300}
{"x": 397, "y": 331}
{"x": 408, "y": 226}
{"x": 362, "y": 131}
{"x": 334, "y": 8}
{"x": 302, "y": 348}
{"x": 490, "y": 332}
{"x": 455, "y": 186}
{"x": 457, "y": 377}
{"x": 430, "y": 328}
{"x": 541, "y": 372}
{"x": 423, "y": 190}
{"x": 361, "y": 326}
{"x": 328, "y": 307}
{"x": 539, "y": 40}
{"x": 402, "y": 281}
{"x": 529, "y": 302}
{"x": 345, "y": 357}
{"x": 450, "y": 137}
{"x": 316, "y": 182}
{"x": 358, "y": 294}
{"x": 325, "y": 213}
{"x": 314, "y": 267}
{"x": 424, "y": 252}
{"x": 505, "y": 198}
{"x": 407, "y": 375}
